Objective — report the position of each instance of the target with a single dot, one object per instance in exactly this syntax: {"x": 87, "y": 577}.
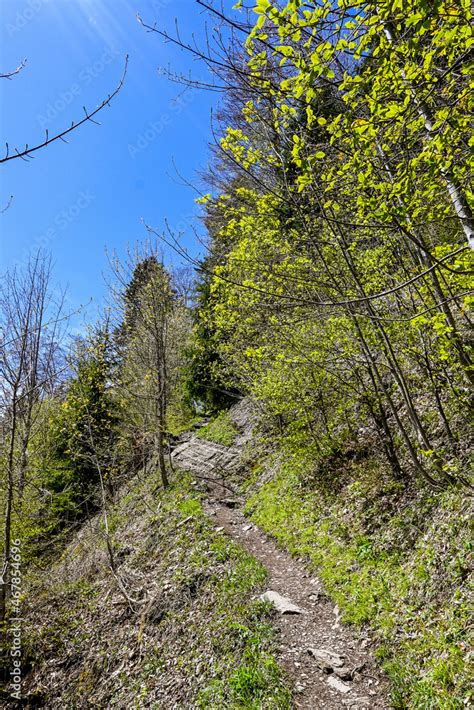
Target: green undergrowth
{"x": 394, "y": 559}
{"x": 179, "y": 422}
{"x": 202, "y": 639}
{"x": 220, "y": 430}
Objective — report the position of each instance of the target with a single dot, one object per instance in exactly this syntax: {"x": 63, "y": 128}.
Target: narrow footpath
{"x": 331, "y": 665}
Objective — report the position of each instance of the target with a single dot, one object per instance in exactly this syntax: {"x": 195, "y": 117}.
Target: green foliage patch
{"x": 220, "y": 430}
{"x": 393, "y": 559}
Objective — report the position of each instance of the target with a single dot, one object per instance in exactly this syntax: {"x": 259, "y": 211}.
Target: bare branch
{"x": 26, "y": 153}
{"x": 4, "y": 209}
{"x": 11, "y": 74}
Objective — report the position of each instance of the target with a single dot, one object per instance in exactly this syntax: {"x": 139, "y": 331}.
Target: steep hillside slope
{"x": 192, "y": 634}
{"x": 180, "y": 623}
{"x": 396, "y": 561}
{"x": 396, "y": 557}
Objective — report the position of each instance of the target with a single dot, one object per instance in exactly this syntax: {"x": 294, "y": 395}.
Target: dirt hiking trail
{"x": 329, "y": 664}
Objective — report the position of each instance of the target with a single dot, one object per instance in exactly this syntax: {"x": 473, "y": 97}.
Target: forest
{"x": 301, "y": 385}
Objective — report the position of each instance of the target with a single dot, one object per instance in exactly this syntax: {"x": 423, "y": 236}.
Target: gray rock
{"x": 281, "y": 604}
{"x": 344, "y": 672}
{"x": 338, "y": 685}
{"x": 327, "y": 660}
{"x": 205, "y": 457}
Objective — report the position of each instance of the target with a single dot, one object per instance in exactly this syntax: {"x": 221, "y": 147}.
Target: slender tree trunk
{"x": 379, "y": 417}
{"x": 161, "y": 413}
{"x": 394, "y": 409}
{"x": 456, "y": 194}
{"x": 160, "y": 452}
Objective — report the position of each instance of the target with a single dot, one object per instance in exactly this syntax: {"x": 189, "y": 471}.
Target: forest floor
{"x": 390, "y": 559}
{"x": 237, "y": 528}
{"x": 198, "y": 636}
{"x": 330, "y": 665}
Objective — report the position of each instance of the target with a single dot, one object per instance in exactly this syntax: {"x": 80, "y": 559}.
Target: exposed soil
{"x": 318, "y": 627}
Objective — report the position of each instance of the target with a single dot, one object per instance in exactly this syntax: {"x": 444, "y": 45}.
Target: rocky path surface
{"x": 331, "y": 665}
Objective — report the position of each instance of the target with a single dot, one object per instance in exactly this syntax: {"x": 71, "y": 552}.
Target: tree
{"x": 30, "y": 324}
{"x": 83, "y": 427}
{"x": 151, "y": 337}
{"x": 336, "y": 260}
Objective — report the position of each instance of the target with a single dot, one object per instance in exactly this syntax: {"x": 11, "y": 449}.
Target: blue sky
{"x": 76, "y": 200}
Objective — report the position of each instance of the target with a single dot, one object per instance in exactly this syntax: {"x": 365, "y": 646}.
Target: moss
{"x": 405, "y": 577}
{"x": 220, "y": 430}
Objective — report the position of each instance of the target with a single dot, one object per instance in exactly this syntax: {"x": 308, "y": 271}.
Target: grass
{"x": 204, "y": 641}
{"x": 397, "y": 561}
{"x": 220, "y": 430}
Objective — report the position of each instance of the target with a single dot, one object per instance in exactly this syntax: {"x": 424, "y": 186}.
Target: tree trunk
{"x": 457, "y": 196}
